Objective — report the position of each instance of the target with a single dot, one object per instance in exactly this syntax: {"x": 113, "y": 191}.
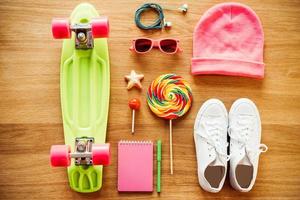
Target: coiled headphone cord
{"x": 159, "y": 22}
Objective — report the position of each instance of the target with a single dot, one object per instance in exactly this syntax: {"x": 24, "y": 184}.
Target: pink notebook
{"x": 135, "y": 166}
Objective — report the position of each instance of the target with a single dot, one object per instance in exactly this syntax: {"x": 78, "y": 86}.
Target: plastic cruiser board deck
{"x": 85, "y": 83}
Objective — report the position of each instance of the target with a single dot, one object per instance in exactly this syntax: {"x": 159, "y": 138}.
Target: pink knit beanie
{"x": 229, "y": 40}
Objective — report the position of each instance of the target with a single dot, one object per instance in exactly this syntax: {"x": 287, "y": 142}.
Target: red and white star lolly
{"x": 134, "y": 80}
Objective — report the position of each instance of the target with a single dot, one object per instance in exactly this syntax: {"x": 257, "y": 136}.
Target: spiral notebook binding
{"x": 131, "y": 142}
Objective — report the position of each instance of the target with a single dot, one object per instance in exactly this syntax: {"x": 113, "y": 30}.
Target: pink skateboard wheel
{"x": 100, "y": 27}
{"x": 60, "y": 155}
{"x": 101, "y": 154}
{"x": 61, "y": 28}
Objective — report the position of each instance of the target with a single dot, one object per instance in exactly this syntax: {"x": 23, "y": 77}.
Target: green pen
{"x": 158, "y": 157}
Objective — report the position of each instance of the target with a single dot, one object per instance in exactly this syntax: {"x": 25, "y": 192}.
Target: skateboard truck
{"x": 86, "y": 153}
{"x": 84, "y": 37}
{"x": 84, "y": 32}
{"x": 83, "y": 151}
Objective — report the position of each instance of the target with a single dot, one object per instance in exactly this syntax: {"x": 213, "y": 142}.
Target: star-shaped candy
{"x": 134, "y": 80}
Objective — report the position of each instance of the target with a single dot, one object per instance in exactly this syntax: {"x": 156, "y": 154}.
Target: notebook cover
{"x": 135, "y": 166}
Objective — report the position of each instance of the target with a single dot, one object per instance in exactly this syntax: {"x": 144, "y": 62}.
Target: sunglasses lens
{"x": 168, "y": 46}
{"x": 142, "y": 45}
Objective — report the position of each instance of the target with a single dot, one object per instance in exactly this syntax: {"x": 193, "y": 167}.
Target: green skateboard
{"x": 84, "y": 85}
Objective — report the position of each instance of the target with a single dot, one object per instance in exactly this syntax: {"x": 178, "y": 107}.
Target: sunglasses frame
{"x": 155, "y": 43}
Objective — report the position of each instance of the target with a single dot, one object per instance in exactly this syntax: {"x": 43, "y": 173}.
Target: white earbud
{"x": 167, "y": 24}
{"x": 184, "y": 8}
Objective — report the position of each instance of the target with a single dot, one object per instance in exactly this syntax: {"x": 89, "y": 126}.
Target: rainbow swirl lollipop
{"x": 169, "y": 96}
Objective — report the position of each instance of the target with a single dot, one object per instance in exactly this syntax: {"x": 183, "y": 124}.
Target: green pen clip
{"x": 158, "y": 158}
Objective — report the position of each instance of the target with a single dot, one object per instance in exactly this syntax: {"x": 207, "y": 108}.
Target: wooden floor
{"x": 30, "y": 115}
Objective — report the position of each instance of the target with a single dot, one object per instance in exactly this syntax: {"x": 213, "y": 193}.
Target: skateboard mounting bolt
{"x": 81, "y": 146}
{"x": 81, "y": 36}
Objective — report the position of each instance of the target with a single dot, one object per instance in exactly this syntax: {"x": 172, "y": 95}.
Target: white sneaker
{"x": 245, "y": 148}
{"x": 210, "y": 135}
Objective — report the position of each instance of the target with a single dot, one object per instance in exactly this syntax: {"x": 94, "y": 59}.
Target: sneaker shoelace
{"x": 242, "y": 134}
{"x": 212, "y": 134}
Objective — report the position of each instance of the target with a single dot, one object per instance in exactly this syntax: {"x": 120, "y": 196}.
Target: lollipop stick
{"x": 171, "y": 148}
{"x": 132, "y": 123}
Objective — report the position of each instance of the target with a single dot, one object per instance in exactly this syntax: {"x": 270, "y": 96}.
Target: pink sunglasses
{"x": 144, "y": 45}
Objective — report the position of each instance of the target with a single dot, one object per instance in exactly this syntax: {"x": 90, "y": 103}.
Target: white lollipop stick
{"x": 171, "y": 149}
{"x": 132, "y": 123}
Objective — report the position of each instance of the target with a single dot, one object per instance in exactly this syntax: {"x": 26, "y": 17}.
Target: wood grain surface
{"x": 30, "y": 114}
